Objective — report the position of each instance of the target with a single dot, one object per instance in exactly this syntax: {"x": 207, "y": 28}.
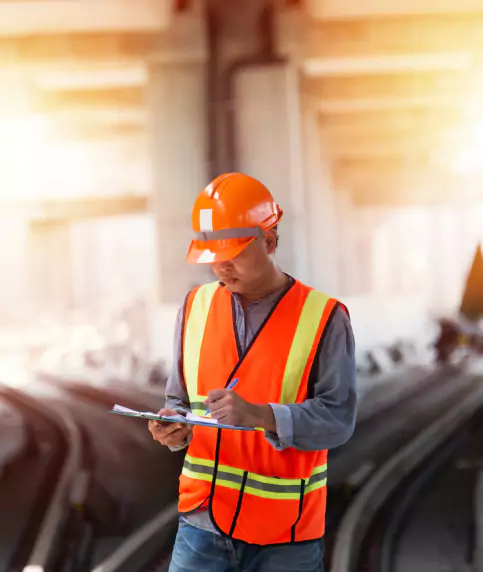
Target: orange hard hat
{"x": 230, "y": 213}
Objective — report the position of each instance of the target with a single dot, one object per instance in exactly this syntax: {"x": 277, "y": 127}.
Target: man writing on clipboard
{"x": 256, "y": 349}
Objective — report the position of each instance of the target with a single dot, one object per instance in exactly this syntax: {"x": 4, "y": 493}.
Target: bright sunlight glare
{"x": 468, "y": 160}
{"x": 31, "y": 167}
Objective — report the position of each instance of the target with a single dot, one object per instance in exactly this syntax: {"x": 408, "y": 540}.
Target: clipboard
{"x": 190, "y": 418}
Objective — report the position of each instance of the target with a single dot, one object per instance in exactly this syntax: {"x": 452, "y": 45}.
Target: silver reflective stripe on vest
{"x": 198, "y": 407}
{"x": 227, "y": 233}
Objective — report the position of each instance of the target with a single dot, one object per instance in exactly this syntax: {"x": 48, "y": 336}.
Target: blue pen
{"x": 231, "y": 385}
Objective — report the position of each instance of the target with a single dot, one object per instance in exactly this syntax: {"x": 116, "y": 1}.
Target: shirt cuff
{"x": 183, "y": 445}
{"x": 283, "y": 438}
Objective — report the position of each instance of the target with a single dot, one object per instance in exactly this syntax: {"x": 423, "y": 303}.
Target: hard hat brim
{"x": 208, "y": 252}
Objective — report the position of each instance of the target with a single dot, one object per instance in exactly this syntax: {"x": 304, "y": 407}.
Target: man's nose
{"x": 222, "y": 266}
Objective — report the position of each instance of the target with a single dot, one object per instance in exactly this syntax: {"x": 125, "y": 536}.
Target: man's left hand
{"x": 228, "y": 407}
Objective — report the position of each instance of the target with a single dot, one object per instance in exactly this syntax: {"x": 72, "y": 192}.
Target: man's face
{"x": 245, "y": 272}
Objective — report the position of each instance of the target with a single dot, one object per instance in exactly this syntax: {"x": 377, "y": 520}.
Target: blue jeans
{"x": 196, "y": 550}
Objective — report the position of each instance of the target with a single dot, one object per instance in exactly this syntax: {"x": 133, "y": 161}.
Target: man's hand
{"x": 169, "y": 434}
{"x": 228, "y": 407}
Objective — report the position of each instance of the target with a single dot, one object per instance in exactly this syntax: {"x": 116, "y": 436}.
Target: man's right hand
{"x": 169, "y": 434}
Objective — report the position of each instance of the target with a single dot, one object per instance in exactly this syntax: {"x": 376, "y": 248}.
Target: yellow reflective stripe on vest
{"x": 302, "y": 344}
{"x": 257, "y": 485}
{"x": 193, "y": 338}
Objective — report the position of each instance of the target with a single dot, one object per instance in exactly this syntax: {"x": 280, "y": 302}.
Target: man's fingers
{"x": 177, "y": 437}
{"x": 161, "y": 430}
{"x": 171, "y": 427}
{"x": 166, "y": 412}
{"x": 216, "y": 395}
{"x": 220, "y": 414}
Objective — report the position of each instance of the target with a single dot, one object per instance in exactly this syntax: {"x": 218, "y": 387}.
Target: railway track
{"x": 408, "y": 516}
{"x": 377, "y": 438}
{"x": 35, "y": 489}
{"x": 131, "y": 472}
{"x": 436, "y": 393}
{"x": 428, "y": 524}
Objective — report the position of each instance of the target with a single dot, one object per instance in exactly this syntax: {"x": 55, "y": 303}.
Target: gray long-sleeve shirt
{"x": 324, "y": 421}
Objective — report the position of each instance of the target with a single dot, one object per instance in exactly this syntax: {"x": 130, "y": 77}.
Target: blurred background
{"x": 365, "y": 120}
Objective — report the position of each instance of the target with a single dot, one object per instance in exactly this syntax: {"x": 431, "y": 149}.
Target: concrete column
{"x": 14, "y": 301}
{"x": 347, "y": 234}
{"x": 444, "y": 260}
{"x": 269, "y": 148}
{"x": 322, "y": 246}
{"x": 50, "y": 265}
{"x": 177, "y": 123}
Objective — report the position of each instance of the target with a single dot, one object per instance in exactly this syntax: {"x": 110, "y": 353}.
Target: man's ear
{"x": 271, "y": 241}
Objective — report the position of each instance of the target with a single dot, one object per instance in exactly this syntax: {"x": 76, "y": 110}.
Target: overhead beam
{"x": 92, "y": 99}
{"x": 344, "y": 140}
{"x": 421, "y": 190}
{"x": 183, "y": 41}
{"x": 402, "y": 196}
{"x": 93, "y": 132}
{"x": 70, "y": 210}
{"x": 432, "y": 39}
{"x": 376, "y": 121}
{"x": 392, "y": 85}
{"x": 354, "y": 148}
{"x": 80, "y": 49}
{"x": 350, "y": 9}
{"x": 66, "y": 78}
{"x": 74, "y": 123}
{"x": 344, "y": 106}
{"x": 23, "y": 18}
{"x": 358, "y": 170}
{"x": 386, "y": 134}
{"x": 381, "y": 183}
{"x": 332, "y": 66}
{"x": 111, "y": 115}
{"x": 344, "y": 137}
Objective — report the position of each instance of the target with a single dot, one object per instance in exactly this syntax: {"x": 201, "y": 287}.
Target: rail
{"x": 138, "y": 550}
{"x": 357, "y": 520}
{"x": 46, "y": 543}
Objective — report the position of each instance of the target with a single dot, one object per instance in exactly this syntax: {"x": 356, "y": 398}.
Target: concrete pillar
{"x": 88, "y": 272}
{"x": 177, "y": 145}
{"x": 14, "y": 301}
{"x": 444, "y": 259}
{"x": 269, "y": 148}
{"x": 371, "y": 262}
{"x": 50, "y": 265}
{"x": 321, "y": 219}
{"x": 347, "y": 234}
{"x": 383, "y": 262}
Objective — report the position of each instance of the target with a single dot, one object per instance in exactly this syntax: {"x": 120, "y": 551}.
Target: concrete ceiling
{"x": 327, "y": 10}
{"x": 391, "y": 80}
{"x": 397, "y": 86}
{"x": 37, "y": 17}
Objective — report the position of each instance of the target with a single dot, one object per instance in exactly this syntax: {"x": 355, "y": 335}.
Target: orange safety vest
{"x": 254, "y": 493}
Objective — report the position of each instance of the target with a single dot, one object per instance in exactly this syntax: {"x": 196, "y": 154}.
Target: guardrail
{"x": 141, "y": 547}
{"x": 358, "y": 518}
{"x": 46, "y": 544}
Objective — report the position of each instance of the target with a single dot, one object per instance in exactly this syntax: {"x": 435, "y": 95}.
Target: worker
{"x": 257, "y": 349}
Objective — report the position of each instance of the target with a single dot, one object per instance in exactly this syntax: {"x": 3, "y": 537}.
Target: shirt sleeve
{"x": 326, "y": 420}
{"x": 176, "y": 394}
